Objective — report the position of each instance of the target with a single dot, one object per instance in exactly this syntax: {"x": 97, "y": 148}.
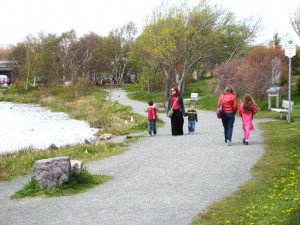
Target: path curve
{"x": 161, "y": 180}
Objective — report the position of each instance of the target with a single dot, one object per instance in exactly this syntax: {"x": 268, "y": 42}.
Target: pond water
{"x": 29, "y": 125}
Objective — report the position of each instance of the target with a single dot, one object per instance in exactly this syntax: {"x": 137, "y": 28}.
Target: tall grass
{"x": 21, "y": 162}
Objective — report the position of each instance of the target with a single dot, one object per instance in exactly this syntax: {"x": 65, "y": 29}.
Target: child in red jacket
{"x": 246, "y": 110}
{"x": 151, "y": 119}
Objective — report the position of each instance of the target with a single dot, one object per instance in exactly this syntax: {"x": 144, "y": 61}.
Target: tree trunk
{"x": 168, "y": 82}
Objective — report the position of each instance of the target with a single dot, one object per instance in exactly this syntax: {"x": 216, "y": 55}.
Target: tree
{"x": 28, "y": 57}
{"x": 150, "y": 76}
{"x": 276, "y": 41}
{"x": 262, "y": 68}
{"x": 295, "y": 20}
{"x": 186, "y": 36}
{"x": 18, "y": 54}
{"x": 239, "y": 36}
{"x": 84, "y": 51}
{"x": 51, "y": 67}
{"x": 99, "y": 63}
{"x": 65, "y": 54}
{"x": 120, "y": 42}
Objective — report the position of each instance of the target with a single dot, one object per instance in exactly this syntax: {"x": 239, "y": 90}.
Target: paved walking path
{"x": 161, "y": 180}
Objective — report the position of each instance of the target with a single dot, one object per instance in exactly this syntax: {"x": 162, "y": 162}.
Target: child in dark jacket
{"x": 191, "y": 113}
{"x": 151, "y": 119}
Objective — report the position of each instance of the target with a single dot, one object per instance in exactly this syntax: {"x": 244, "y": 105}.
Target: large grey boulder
{"x": 52, "y": 172}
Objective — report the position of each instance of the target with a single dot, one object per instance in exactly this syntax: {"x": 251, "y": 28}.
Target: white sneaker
{"x": 228, "y": 143}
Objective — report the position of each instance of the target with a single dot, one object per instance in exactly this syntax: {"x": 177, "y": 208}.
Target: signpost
{"x": 290, "y": 51}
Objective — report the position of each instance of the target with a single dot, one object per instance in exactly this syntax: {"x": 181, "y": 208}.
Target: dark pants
{"x": 177, "y": 123}
{"x": 228, "y": 121}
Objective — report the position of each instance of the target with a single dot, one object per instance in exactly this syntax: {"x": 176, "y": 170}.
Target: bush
{"x": 255, "y": 73}
{"x": 298, "y": 87}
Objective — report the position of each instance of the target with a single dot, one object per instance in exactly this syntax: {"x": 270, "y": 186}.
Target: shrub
{"x": 262, "y": 68}
{"x": 298, "y": 87}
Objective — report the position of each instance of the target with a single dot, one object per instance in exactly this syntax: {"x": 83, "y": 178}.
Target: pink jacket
{"x": 247, "y": 116}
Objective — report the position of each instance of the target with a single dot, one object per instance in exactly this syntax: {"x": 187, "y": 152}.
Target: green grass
{"x": 273, "y": 196}
{"x": 78, "y": 183}
{"x": 21, "y": 163}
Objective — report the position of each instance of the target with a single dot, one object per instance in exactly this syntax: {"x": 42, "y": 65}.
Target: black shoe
{"x": 246, "y": 143}
{"x": 244, "y": 139}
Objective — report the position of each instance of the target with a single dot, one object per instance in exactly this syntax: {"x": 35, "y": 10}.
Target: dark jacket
{"x": 180, "y": 104}
{"x": 192, "y": 115}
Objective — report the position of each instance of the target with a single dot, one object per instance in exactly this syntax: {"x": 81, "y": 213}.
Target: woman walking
{"x": 176, "y": 102}
{"x": 229, "y": 103}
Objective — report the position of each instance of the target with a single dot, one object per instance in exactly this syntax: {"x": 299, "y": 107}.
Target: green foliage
{"x": 156, "y": 97}
{"x": 151, "y": 79}
{"x": 298, "y": 87}
{"x": 78, "y": 183}
{"x": 180, "y": 38}
{"x": 19, "y": 88}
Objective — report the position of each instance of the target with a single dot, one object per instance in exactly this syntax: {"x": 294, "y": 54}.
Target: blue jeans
{"x": 228, "y": 121}
{"x": 152, "y": 127}
{"x": 191, "y": 126}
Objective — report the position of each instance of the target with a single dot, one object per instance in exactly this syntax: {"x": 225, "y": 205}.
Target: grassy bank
{"x": 273, "y": 195}
{"x": 79, "y": 102}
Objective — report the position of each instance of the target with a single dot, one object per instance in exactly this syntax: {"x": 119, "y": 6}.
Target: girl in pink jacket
{"x": 247, "y": 109}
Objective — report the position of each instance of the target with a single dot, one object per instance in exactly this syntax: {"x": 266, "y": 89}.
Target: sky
{"x": 21, "y": 18}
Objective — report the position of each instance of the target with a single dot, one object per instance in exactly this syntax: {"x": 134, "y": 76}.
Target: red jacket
{"x": 152, "y": 113}
{"x": 229, "y": 102}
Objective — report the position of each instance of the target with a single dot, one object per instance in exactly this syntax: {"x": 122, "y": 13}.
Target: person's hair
{"x": 229, "y": 88}
{"x": 248, "y": 102}
{"x": 177, "y": 93}
{"x": 150, "y": 103}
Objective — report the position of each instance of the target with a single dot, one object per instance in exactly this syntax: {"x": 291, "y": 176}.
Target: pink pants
{"x": 247, "y": 127}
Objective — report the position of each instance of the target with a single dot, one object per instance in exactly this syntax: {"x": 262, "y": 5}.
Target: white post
{"x": 290, "y": 68}
{"x": 290, "y": 51}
